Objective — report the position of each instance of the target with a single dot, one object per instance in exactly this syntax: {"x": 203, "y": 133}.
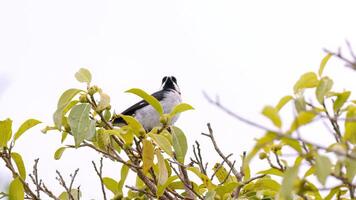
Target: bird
{"x": 169, "y": 96}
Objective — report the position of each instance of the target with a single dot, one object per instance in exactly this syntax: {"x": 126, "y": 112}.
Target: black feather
{"x": 131, "y": 110}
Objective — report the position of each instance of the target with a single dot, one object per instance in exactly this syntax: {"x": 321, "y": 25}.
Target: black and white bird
{"x": 169, "y": 96}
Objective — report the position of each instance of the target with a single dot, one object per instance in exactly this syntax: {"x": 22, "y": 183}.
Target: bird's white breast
{"x": 149, "y": 117}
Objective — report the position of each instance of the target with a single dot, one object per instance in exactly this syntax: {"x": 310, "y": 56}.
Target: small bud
{"x": 108, "y": 108}
{"x": 83, "y": 98}
{"x": 262, "y": 155}
{"x": 276, "y": 147}
{"x": 93, "y": 89}
{"x": 164, "y": 119}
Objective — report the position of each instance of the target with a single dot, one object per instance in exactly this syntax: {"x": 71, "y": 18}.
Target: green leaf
{"x": 310, "y": 171}
{"x": 350, "y": 125}
{"x": 163, "y": 143}
{"x": 332, "y": 193}
{"x": 323, "y": 63}
{"x": 124, "y": 171}
{"x": 210, "y": 195}
{"x": 16, "y": 190}
{"x": 324, "y": 86}
{"x": 148, "y": 98}
{"x": 303, "y": 118}
{"x": 272, "y": 114}
{"x": 63, "y": 102}
{"x": 5, "y": 132}
{"x": 83, "y": 75}
{"x": 350, "y": 165}
{"x": 182, "y": 107}
{"x": 104, "y": 101}
{"x": 323, "y": 168}
{"x": 221, "y": 173}
{"x": 283, "y": 102}
{"x": 59, "y": 152}
{"x": 206, "y": 180}
{"x": 25, "y": 126}
{"x": 162, "y": 169}
{"x": 147, "y": 155}
{"x": 179, "y": 144}
{"x": 290, "y": 176}
{"x": 111, "y": 185}
{"x": 161, "y": 188}
{"x": 19, "y": 164}
{"x": 74, "y": 192}
{"x": 307, "y": 80}
{"x": 226, "y": 188}
{"x": 271, "y": 171}
{"x": 134, "y": 124}
{"x": 340, "y": 100}
{"x": 82, "y": 127}
{"x": 299, "y": 103}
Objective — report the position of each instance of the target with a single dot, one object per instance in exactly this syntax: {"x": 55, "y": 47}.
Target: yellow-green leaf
{"x": 148, "y": 98}
{"x": 271, "y": 171}
{"x": 111, "y": 185}
{"x": 350, "y": 125}
{"x": 5, "y": 132}
{"x": 83, "y": 75}
{"x": 19, "y": 164}
{"x": 82, "y": 127}
{"x": 290, "y": 176}
{"x": 123, "y": 175}
{"x": 25, "y": 126}
{"x": 147, "y": 155}
{"x": 134, "y": 124}
{"x": 162, "y": 169}
{"x": 182, "y": 107}
{"x": 324, "y": 86}
{"x": 206, "y": 180}
{"x": 104, "y": 101}
{"x": 340, "y": 100}
{"x": 59, "y": 152}
{"x": 179, "y": 144}
{"x": 323, "y": 63}
{"x": 63, "y": 102}
{"x": 163, "y": 143}
{"x": 161, "y": 188}
{"x": 16, "y": 190}
{"x": 284, "y": 100}
{"x": 302, "y": 119}
{"x": 307, "y": 80}
{"x": 272, "y": 114}
{"x": 74, "y": 193}
{"x": 322, "y": 168}
{"x": 222, "y": 174}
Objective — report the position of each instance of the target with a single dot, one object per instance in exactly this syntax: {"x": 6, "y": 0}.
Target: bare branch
{"x": 278, "y": 133}
{"x": 99, "y": 172}
{"x": 217, "y": 149}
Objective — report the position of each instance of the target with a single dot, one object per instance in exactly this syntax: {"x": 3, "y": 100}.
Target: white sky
{"x": 250, "y": 53}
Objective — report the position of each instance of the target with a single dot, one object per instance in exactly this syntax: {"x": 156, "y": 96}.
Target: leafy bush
{"x": 158, "y": 157}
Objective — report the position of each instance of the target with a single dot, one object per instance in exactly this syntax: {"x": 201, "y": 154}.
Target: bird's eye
{"x": 174, "y": 79}
{"x": 164, "y": 79}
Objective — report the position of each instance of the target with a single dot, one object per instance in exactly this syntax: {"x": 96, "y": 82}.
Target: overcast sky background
{"x": 249, "y": 53}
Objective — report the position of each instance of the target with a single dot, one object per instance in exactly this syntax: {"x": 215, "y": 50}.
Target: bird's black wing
{"x": 131, "y": 110}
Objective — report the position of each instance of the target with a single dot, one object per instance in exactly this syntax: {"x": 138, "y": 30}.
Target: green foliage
{"x": 81, "y": 125}
{"x": 25, "y": 126}
{"x": 158, "y": 157}
{"x": 16, "y": 190}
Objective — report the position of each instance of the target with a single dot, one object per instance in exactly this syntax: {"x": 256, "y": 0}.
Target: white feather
{"x": 149, "y": 117}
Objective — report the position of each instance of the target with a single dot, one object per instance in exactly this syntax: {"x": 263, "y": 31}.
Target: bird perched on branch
{"x": 169, "y": 96}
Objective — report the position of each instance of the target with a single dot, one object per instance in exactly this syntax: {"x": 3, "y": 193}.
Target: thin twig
{"x": 99, "y": 172}
{"x": 217, "y": 149}
{"x": 278, "y": 133}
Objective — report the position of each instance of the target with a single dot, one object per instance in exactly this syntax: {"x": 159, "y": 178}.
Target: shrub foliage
{"x": 158, "y": 157}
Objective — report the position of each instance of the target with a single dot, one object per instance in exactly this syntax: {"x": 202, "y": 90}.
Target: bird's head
{"x": 170, "y": 83}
